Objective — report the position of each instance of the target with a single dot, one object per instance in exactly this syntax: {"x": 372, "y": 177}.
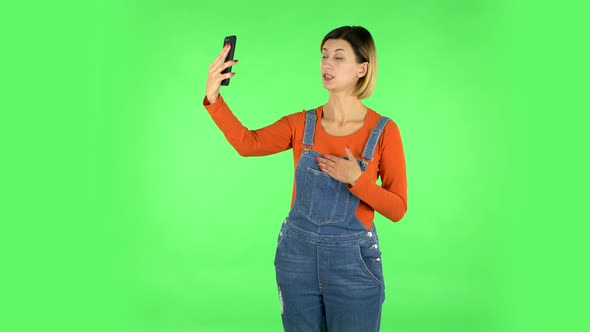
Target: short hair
{"x": 364, "y": 49}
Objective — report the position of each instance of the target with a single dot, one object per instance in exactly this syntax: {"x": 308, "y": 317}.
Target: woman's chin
{"x": 327, "y": 85}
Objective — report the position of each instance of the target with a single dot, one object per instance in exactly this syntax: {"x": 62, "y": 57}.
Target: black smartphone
{"x": 230, "y": 56}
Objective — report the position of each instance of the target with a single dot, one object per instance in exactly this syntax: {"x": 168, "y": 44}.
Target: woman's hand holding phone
{"x": 215, "y": 76}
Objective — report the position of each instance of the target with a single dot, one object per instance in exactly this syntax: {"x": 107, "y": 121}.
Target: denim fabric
{"x": 328, "y": 264}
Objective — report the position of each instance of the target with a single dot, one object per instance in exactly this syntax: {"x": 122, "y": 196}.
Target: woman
{"x": 328, "y": 261}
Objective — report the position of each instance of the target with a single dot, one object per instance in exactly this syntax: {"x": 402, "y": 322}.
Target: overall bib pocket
{"x": 323, "y": 200}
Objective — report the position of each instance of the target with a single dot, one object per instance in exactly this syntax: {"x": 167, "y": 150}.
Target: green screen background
{"x": 125, "y": 209}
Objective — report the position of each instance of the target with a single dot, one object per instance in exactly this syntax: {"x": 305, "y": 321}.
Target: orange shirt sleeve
{"x": 271, "y": 139}
{"x": 389, "y": 199}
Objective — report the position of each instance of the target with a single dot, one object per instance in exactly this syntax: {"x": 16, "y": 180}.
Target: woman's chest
{"x": 335, "y": 129}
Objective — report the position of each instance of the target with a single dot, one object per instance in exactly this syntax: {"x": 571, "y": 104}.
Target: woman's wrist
{"x": 212, "y": 100}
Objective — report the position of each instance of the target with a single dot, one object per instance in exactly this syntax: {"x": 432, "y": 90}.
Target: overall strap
{"x": 310, "y": 120}
{"x": 374, "y": 137}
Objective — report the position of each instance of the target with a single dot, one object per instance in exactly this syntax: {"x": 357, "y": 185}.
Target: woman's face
{"x": 339, "y": 63}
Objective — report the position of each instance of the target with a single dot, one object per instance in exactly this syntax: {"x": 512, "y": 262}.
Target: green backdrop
{"x": 125, "y": 209}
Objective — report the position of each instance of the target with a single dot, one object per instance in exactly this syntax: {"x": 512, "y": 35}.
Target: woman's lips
{"x": 327, "y": 77}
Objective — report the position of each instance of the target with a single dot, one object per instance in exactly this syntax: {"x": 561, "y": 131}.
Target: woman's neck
{"x": 343, "y": 108}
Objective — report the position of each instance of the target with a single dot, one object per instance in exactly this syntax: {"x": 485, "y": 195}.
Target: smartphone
{"x": 230, "y": 56}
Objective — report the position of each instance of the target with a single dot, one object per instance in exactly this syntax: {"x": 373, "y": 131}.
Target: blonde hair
{"x": 364, "y": 49}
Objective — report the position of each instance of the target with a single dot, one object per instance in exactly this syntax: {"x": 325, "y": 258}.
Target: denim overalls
{"x": 328, "y": 264}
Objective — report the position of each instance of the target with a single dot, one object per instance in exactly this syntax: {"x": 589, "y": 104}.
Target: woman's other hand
{"x": 347, "y": 171}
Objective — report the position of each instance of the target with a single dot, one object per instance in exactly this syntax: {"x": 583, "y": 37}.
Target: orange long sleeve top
{"x": 389, "y": 199}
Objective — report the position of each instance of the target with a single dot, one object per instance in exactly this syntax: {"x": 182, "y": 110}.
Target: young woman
{"x": 328, "y": 261}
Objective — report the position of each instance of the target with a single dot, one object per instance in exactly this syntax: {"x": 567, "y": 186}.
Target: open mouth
{"x": 327, "y": 77}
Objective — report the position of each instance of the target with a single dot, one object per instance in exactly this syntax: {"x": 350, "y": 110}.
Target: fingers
{"x": 331, "y": 158}
{"x": 220, "y": 78}
{"x": 228, "y": 75}
{"x": 218, "y": 67}
{"x": 339, "y": 169}
{"x": 325, "y": 162}
{"x": 228, "y": 64}
{"x": 222, "y": 55}
{"x": 215, "y": 76}
{"x": 215, "y": 71}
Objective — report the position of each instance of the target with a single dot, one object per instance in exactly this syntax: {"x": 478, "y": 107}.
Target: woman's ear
{"x": 363, "y": 70}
